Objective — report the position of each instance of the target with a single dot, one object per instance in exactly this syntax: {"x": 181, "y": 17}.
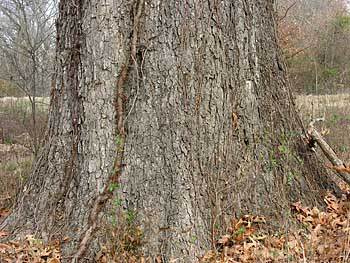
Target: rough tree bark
{"x": 195, "y": 94}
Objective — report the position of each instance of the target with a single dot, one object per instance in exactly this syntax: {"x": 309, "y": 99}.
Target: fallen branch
{"x": 338, "y": 164}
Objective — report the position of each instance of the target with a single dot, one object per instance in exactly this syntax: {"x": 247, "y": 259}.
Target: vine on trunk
{"x": 120, "y": 121}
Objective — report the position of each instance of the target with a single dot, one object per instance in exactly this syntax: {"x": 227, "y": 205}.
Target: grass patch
{"x": 23, "y": 105}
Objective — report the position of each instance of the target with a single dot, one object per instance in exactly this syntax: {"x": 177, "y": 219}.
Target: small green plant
{"x": 291, "y": 134}
{"x": 113, "y": 186}
{"x": 240, "y": 231}
{"x": 130, "y": 216}
{"x": 118, "y": 202}
{"x": 273, "y": 164}
{"x": 290, "y": 178}
{"x": 331, "y": 72}
{"x": 114, "y": 221}
{"x": 283, "y": 148}
{"x": 119, "y": 140}
{"x": 193, "y": 239}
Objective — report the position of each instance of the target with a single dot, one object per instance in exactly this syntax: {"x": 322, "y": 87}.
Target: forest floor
{"x": 324, "y": 234}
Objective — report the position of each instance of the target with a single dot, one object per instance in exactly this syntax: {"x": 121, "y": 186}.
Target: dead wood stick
{"x": 328, "y": 151}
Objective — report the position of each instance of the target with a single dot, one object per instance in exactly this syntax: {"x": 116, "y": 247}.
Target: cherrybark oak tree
{"x": 186, "y": 105}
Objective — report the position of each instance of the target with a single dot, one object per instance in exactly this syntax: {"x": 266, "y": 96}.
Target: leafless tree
{"x": 27, "y": 49}
{"x": 313, "y": 35}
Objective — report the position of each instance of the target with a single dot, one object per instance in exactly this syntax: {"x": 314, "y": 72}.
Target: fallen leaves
{"x": 323, "y": 237}
{"x": 30, "y": 250}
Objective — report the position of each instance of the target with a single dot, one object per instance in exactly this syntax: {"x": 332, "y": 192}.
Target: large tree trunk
{"x": 75, "y": 164}
{"x": 195, "y": 94}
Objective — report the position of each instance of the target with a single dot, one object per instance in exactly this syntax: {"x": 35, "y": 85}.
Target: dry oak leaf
{"x": 299, "y": 208}
{"x": 209, "y": 255}
{"x": 224, "y": 239}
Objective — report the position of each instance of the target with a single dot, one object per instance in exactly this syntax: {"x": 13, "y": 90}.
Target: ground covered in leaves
{"x": 324, "y": 236}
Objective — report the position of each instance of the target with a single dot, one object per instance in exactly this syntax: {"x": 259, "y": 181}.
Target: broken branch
{"x": 328, "y": 151}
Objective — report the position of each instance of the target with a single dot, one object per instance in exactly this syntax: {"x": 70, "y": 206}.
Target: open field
{"x": 322, "y": 104}
{"x": 23, "y": 104}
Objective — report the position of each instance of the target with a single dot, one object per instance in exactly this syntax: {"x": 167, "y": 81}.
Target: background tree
{"x": 313, "y": 36}
{"x": 27, "y": 50}
{"x": 186, "y": 107}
